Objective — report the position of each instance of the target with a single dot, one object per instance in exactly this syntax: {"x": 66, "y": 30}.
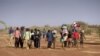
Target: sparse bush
{"x": 98, "y": 31}
{"x": 83, "y": 25}
{"x": 88, "y": 31}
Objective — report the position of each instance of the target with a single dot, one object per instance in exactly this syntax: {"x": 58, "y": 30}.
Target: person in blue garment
{"x": 49, "y": 36}
{"x": 11, "y": 31}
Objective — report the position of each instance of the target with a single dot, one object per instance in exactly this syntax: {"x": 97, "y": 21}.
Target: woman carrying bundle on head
{"x": 64, "y": 36}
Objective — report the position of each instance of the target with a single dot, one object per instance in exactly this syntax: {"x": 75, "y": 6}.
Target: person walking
{"x": 32, "y": 38}
{"x": 27, "y": 37}
{"x": 49, "y": 36}
{"x": 36, "y": 38}
{"x": 17, "y": 35}
{"x": 54, "y": 37}
{"x": 11, "y": 31}
{"x": 64, "y": 35}
{"x": 76, "y": 38}
{"x": 21, "y": 40}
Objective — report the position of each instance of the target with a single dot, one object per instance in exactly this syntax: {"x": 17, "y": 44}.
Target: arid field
{"x": 91, "y": 48}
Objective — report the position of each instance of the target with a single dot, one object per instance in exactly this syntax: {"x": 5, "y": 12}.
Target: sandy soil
{"x": 90, "y": 49}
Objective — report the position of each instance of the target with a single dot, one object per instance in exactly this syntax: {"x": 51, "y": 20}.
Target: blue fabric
{"x": 11, "y": 31}
{"x": 50, "y": 36}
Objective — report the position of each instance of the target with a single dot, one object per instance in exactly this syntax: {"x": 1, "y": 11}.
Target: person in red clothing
{"x": 75, "y": 38}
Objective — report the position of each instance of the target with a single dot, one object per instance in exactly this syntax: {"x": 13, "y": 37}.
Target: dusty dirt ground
{"x": 91, "y": 48}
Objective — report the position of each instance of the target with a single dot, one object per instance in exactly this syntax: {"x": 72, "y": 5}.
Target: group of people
{"x": 24, "y": 37}
{"x": 72, "y": 37}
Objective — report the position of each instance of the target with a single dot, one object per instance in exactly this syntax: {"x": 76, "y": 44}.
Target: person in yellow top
{"x": 27, "y": 36}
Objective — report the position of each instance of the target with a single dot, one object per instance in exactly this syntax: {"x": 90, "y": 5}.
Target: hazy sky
{"x": 52, "y": 12}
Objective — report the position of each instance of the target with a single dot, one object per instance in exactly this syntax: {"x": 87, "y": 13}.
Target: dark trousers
{"x": 65, "y": 43}
{"x": 81, "y": 41}
{"x": 16, "y": 42}
{"x": 21, "y": 42}
{"x": 49, "y": 44}
{"x": 36, "y": 43}
{"x": 39, "y": 43}
{"x": 43, "y": 35}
